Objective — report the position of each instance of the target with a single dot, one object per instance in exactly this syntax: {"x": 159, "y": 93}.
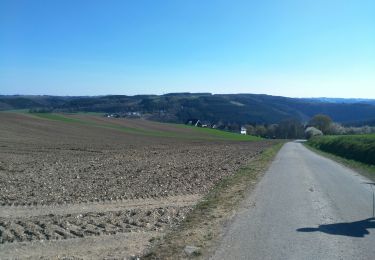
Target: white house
{"x": 243, "y": 130}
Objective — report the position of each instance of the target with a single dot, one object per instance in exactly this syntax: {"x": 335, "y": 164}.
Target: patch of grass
{"x": 364, "y": 169}
{"x": 354, "y": 147}
{"x": 90, "y": 113}
{"x": 203, "y": 226}
{"x": 220, "y": 133}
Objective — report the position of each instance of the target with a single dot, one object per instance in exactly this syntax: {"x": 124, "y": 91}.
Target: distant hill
{"x": 342, "y": 100}
{"x": 213, "y": 109}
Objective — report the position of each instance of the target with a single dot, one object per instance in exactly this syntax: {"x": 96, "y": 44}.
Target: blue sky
{"x": 297, "y": 48}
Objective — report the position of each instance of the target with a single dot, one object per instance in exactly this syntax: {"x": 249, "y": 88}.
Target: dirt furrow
{"x": 54, "y": 227}
{"x": 30, "y": 211}
{"x": 117, "y": 246}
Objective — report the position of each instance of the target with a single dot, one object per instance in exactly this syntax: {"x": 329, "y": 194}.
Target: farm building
{"x": 194, "y": 122}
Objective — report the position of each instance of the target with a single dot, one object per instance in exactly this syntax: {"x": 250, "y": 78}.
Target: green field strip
{"x": 219, "y": 133}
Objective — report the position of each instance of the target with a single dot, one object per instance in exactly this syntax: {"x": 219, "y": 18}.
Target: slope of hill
{"x": 214, "y": 109}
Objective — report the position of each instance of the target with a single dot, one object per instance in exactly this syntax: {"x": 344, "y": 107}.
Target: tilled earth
{"x": 49, "y": 164}
{"x": 47, "y": 176}
{"x": 55, "y": 227}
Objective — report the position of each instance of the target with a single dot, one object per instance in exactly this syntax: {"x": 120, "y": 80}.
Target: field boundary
{"x": 203, "y": 227}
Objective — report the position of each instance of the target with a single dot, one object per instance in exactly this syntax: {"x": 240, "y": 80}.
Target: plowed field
{"x": 94, "y": 180}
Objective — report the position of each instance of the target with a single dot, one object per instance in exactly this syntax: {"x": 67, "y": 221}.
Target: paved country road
{"x": 305, "y": 207}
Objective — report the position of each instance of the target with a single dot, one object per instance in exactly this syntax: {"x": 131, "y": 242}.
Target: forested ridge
{"x": 218, "y": 108}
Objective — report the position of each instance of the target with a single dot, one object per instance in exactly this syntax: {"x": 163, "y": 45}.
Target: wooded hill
{"x": 219, "y": 108}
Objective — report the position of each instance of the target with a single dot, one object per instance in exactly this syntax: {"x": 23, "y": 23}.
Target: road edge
{"x": 203, "y": 228}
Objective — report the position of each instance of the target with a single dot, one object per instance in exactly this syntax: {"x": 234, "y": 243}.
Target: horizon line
{"x": 188, "y": 93}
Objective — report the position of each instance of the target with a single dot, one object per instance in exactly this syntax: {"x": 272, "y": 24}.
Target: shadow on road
{"x": 350, "y": 229}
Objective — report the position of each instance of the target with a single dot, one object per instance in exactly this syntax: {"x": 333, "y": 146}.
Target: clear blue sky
{"x": 297, "y": 48}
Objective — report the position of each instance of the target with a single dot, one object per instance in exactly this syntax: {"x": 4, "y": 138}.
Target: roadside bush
{"x": 357, "y": 147}
{"x": 312, "y": 131}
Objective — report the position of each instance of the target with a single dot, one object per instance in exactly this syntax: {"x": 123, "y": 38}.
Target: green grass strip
{"x": 355, "y": 147}
{"x": 219, "y": 133}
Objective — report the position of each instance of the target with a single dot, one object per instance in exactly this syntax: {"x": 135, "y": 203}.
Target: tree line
{"x": 319, "y": 124}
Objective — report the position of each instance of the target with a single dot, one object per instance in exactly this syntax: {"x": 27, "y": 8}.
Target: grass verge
{"x": 362, "y": 168}
{"x": 203, "y": 226}
{"x": 354, "y": 147}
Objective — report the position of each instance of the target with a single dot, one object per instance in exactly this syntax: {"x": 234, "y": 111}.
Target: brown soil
{"x": 81, "y": 181}
{"x": 139, "y": 124}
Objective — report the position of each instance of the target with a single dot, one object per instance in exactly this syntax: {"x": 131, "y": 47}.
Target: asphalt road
{"x": 305, "y": 207}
